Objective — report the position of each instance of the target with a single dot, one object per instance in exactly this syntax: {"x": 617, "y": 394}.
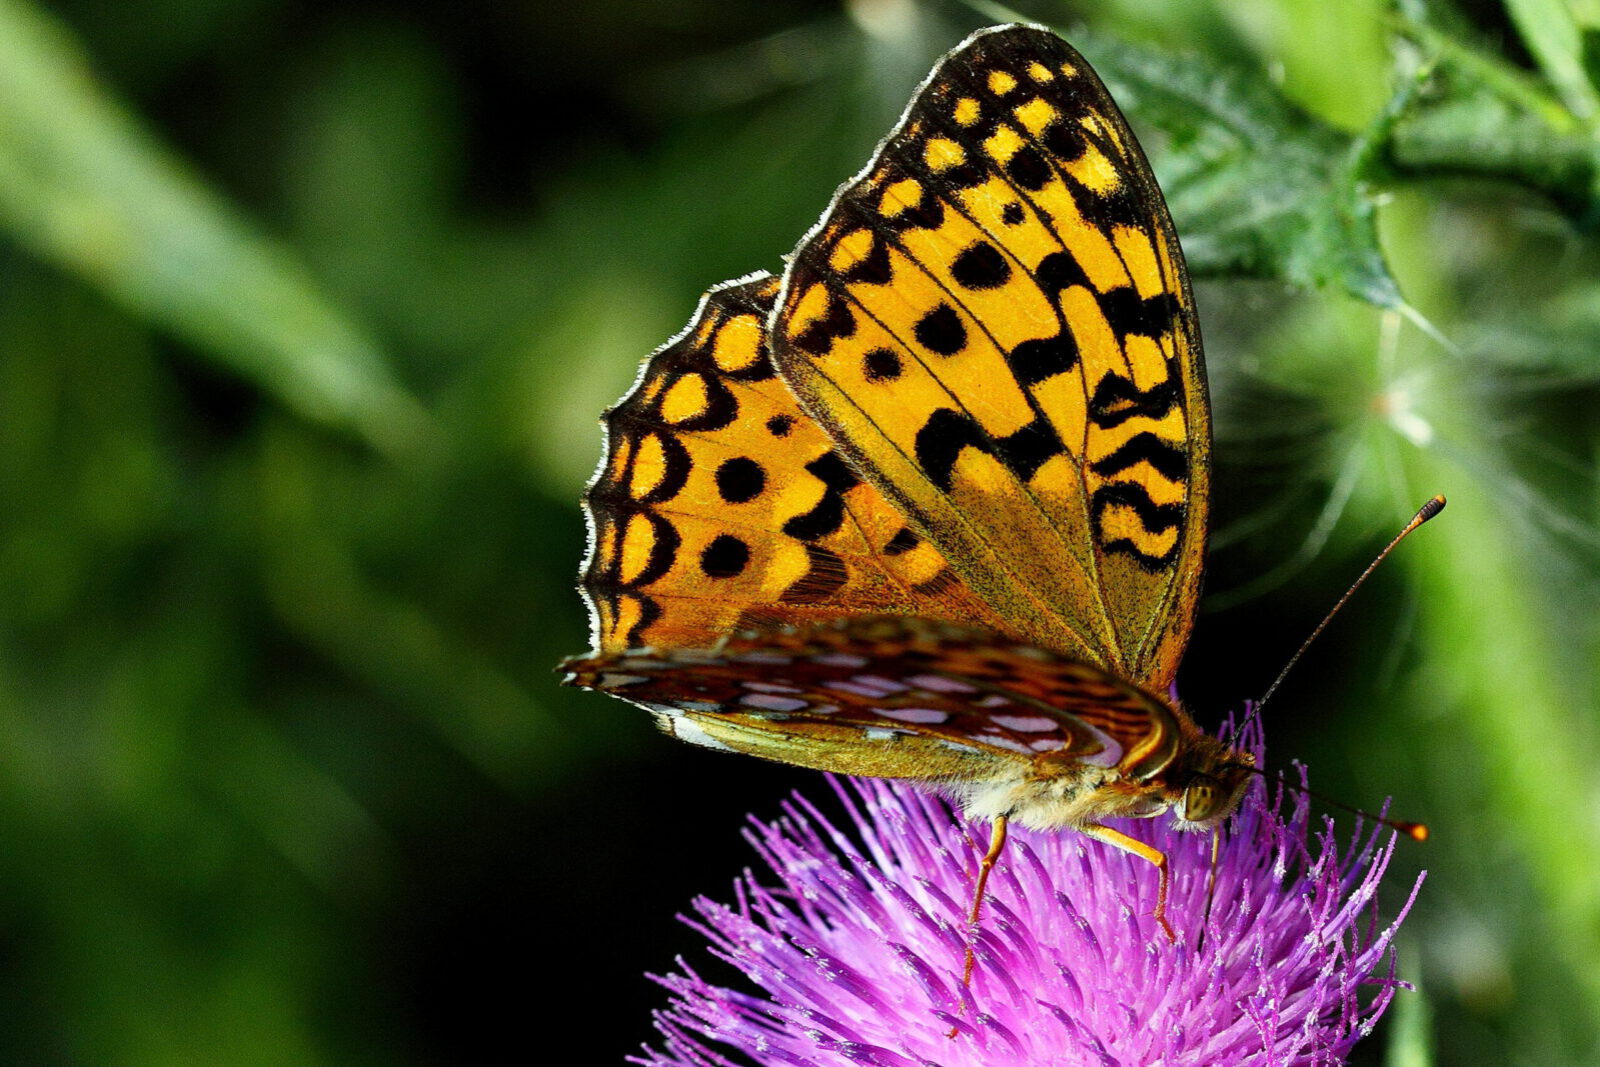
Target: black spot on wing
{"x": 1145, "y": 447}
{"x": 1129, "y": 313}
{"x": 941, "y": 331}
{"x": 827, "y": 515}
{"x": 946, "y": 432}
{"x": 759, "y": 370}
{"x": 1156, "y": 518}
{"x": 1122, "y": 546}
{"x": 725, "y": 557}
{"x": 740, "y": 480}
{"x": 834, "y": 472}
{"x": 1026, "y": 449}
{"x": 1043, "y": 357}
{"x": 874, "y": 268}
{"x": 940, "y": 441}
{"x": 981, "y": 266}
{"x": 1061, "y": 270}
{"x": 1063, "y": 140}
{"x": 1036, "y": 360}
{"x": 962, "y": 176}
{"x": 881, "y": 365}
{"x": 1029, "y": 169}
{"x": 1116, "y": 400}
{"x": 1121, "y": 206}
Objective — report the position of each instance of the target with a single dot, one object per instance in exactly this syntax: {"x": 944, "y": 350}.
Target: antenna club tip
{"x": 1417, "y": 831}
{"x": 1431, "y": 508}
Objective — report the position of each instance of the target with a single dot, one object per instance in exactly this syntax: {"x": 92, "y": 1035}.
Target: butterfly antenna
{"x": 1426, "y": 512}
{"x": 1417, "y": 831}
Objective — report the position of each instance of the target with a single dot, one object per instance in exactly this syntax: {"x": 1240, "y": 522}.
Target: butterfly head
{"x": 1212, "y": 782}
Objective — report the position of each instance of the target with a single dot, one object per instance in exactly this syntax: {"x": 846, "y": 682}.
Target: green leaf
{"x": 1480, "y": 116}
{"x": 1553, "y": 34}
{"x": 1257, "y": 187}
{"x": 86, "y": 187}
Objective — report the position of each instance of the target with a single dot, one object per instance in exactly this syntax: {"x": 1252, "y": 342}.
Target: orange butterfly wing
{"x": 978, "y": 398}
{"x": 720, "y": 505}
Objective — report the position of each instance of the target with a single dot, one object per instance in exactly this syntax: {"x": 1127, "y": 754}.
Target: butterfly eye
{"x": 1202, "y": 800}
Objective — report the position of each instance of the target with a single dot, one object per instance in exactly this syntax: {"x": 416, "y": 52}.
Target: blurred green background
{"x": 307, "y": 313}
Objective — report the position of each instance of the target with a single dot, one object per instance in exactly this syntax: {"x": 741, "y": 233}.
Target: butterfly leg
{"x": 1118, "y": 839}
{"x": 997, "y": 842}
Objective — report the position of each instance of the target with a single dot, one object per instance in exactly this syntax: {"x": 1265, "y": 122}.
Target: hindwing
{"x": 895, "y": 698}
{"x": 720, "y": 505}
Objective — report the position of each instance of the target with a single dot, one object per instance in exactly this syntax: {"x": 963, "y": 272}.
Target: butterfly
{"x": 932, "y": 505}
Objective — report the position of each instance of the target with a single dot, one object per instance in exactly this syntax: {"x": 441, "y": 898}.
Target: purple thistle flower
{"x": 859, "y": 948}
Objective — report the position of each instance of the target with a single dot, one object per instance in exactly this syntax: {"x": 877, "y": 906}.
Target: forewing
{"x": 719, "y": 504}
{"x": 994, "y": 325}
{"x": 893, "y": 698}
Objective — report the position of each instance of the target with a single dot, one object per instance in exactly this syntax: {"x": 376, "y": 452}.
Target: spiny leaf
{"x": 1480, "y": 116}
{"x": 1257, "y": 186}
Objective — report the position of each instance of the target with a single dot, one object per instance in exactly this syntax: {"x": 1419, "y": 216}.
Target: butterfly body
{"x": 932, "y": 505}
